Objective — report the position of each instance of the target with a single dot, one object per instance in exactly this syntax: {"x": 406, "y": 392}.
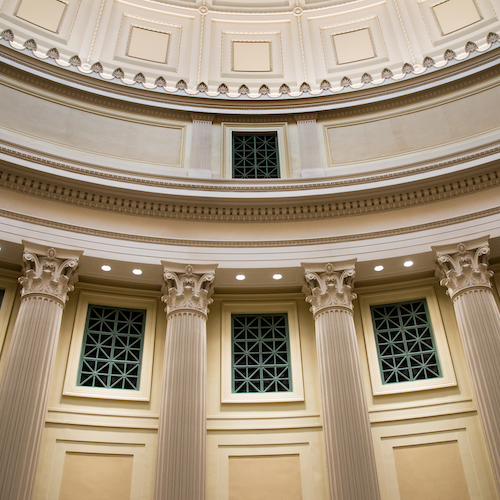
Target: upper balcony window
{"x": 255, "y": 156}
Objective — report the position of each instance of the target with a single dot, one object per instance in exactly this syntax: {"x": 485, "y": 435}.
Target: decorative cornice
{"x": 188, "y": 288}
{"x": 248, "y": 244}
{"x": 389, "y": 85}
{"x": 466, "y": 268}
{"x": 47, "y": 274}
{"x": 329, "y": 286}
{"x": 117, "y": 76}
{"x": 327, "y": 206}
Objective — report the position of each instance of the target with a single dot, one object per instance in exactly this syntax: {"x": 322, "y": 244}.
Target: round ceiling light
{"x": 379, "y": 268}
{"x": 277, "y": 276}
{"x": 240, "y": 277}
{"x": 137, "y": 272}
{"x": 408, "y": 263}
{"x": 105, "y": 267}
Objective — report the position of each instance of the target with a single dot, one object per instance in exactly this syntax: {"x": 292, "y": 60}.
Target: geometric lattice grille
{"x": 405, "y": 342}
{"x": 255, "y": 156}
{"x": 260, "y": 353}
{"x": 2, "y": 292}
{"x": 112, "y": 348}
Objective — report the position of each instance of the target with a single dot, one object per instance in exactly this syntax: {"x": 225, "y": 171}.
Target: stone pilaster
{"x": 48, "y": 277}
{"x": 181, "y": 458}
{"x": 350, "y": 457}
{"x": 464, "y": 271}
{"x": 201, "y": 147}
{"x": 310, "y": 157}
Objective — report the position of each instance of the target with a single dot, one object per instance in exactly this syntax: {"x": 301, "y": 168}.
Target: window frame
{"x": 280, "y": 129}
{"x": 87, "y": 298}
{"x": 290, "y": 308}
{"x": 260, "y": 343}
{"x": 428, "y": 293}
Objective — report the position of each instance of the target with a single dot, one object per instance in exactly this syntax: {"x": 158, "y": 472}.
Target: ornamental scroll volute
{"x": 48, "y": 271}
{"x": 329, "y": 286}
{"x": 464, "y": 266}
{"x": 188, "y": 287}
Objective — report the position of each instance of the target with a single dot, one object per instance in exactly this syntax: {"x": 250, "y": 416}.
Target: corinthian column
{"x": 24, "y": 387}
{"x": 350, "y": 458}
{"x": 464, "y": 271}
{"x": 181, "y": 459}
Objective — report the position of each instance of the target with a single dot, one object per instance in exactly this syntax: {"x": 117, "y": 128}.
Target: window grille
{"x": 255, "y": 156}
{"x": 260, "y": 353}
{"x": 112, "y": 348}
{"x": 405, "y": 342}
{"x": 2, "y": 293}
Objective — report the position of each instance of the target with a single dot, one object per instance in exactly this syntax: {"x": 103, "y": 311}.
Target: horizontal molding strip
{"x": 248, "y": 244}
{"x": 202, "y": 210}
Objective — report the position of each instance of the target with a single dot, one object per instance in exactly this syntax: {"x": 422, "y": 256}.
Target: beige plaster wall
{"x": 157, "y": 142}
{"x": 364, "y": 139}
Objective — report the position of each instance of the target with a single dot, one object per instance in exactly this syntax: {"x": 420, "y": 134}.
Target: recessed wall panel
{"x": 433, "y": 471}
{"x": 274, "y": 477}
{"x": 90, "y": 476}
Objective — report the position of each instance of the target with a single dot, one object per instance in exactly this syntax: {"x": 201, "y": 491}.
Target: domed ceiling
{"x": 252, "y": 50}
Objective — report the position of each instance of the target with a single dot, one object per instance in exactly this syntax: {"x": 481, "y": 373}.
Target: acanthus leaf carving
{"x": 46, "y": 274}
{"x": 329, "y": 289}
{"x": 465, "y": 269}
{"x": 189, "y": 290}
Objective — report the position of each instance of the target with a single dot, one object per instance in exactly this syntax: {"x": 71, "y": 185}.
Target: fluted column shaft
{"x": 181, "y": 457}
{"x": 350, "y": 457}
{"x": 25, "y": 382}
{"x": 466, "y": 275}
{"x": 182, "y": 428}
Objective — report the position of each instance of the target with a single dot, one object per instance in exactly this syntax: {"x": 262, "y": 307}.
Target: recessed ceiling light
{"x": 106, "y": 268}
{"x": 379, "y": 268}
{"x": 408, "y": 263}
{"x": 137, "y": 272}
{"x": 240, "y": 277}
{"x": 277, "y": 276}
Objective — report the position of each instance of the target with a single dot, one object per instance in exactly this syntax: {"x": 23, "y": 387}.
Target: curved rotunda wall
{"x": 381, "y": 180}
{"x": 261, "y": 47}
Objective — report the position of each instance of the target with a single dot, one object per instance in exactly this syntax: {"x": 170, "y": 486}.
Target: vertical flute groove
{"x": 24, "y": 392}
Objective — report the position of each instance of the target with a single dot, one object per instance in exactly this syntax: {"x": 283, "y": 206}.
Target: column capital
{"x": 188, "y": 287}
{"x": 329, "y": 286}
{"x": 49, "y": 271}
{"x": 464, "y": 266}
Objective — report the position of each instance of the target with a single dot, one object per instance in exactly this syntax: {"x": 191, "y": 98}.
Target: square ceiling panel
{"x": 252, "y": 56}
{"x": 453, "y": 15}
{"x": 47, "y": 14}
{"x": 353, "y": 46}
{"x": 148, "y": 44}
